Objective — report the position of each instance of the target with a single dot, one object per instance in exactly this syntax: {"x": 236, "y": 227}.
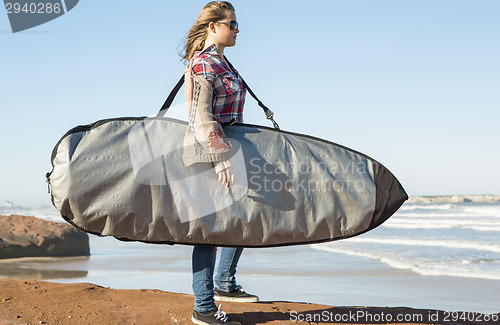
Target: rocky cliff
{"x": 22, "y": 236}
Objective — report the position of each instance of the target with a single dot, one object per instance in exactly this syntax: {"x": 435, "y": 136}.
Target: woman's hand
{"x": 226, "y": 176}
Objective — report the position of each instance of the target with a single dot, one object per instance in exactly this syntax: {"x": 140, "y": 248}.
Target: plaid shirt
{"x": 229, "y": 91}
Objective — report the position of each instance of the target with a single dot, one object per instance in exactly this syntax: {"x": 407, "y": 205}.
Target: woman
{"x": 215, "y": 94}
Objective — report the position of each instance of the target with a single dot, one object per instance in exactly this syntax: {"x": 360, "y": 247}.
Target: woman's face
{"x": 224, "y": 35}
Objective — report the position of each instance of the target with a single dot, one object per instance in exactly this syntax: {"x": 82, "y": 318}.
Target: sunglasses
{"x": 233, "y": 24}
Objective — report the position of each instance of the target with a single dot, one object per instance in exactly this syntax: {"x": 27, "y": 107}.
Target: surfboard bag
{"x": 124, "y": 177}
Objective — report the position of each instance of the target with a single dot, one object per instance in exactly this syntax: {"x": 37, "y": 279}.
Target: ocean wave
{"x": 424, "y": 206}
{"x": 423, "y": 267}
{"x": 422, "y": 223}
{"x": 433, "y": 215}
{"x": 485, "y": 228}
{"x": 455, "y": 244}
{"x": 46, "y": 212}
{"x": 486, "y": 211}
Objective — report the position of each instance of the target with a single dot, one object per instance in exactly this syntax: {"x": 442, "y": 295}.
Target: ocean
{"x": 452, "y": 239}
{"x": 428, "y": 255}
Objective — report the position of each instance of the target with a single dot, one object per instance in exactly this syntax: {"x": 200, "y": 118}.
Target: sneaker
{"x": 237, "y": 295}
{"x": 213, "y": 317}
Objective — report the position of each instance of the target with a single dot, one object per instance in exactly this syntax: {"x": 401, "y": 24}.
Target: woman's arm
{"x": 205, "y": 140}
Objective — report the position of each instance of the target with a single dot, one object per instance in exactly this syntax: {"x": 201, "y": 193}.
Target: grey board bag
{"x": 124, "y": 177}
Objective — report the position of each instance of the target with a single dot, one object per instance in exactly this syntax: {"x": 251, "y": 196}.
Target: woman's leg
{"x": 203, "y": 272}
{"x": 225, "y": 279}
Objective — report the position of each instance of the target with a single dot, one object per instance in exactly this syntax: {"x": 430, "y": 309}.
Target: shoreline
{"x": 314, "y": 276}
{"x": 324, "y": 277}
{"x": 483, "y": 198}
{"x": 40, "y": 302}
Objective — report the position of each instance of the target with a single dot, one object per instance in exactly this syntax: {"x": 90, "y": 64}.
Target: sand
{"x": 40, "y": 302}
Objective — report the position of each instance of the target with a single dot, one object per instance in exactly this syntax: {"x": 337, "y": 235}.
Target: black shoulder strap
{"x": 170, "y": 98}
{"x": 267, "y": 111}
{"x": 173, "y": 93}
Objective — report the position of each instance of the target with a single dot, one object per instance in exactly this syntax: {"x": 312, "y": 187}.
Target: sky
{"x": 413, "y": 84}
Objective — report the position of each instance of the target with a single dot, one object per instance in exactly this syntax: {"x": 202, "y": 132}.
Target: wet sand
{"x": 300, "y": 274}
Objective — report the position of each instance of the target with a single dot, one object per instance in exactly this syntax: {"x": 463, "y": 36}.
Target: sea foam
{"x": 459, "y": 239}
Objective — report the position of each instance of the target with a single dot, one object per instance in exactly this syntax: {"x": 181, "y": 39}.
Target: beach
{"x": 300, "y": 273}
{"x": 39, "y": 302}
{"x": 390, "y": 267}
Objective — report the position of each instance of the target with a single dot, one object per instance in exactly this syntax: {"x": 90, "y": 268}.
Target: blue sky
{"x": 413, "y": 84}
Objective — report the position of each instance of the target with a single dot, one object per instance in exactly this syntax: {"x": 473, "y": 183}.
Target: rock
{"x": 22, "y": 236}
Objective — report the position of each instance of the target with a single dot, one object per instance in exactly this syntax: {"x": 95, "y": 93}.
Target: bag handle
{"x": 175, "y": 90}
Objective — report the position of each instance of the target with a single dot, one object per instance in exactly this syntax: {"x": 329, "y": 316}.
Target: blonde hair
{"x": 195, "y": 39}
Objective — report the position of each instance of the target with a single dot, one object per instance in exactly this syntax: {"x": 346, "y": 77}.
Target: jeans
{"x": 203, "y": 274}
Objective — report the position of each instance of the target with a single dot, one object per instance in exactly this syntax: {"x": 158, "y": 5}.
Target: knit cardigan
{"x": 204, "y": 140}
